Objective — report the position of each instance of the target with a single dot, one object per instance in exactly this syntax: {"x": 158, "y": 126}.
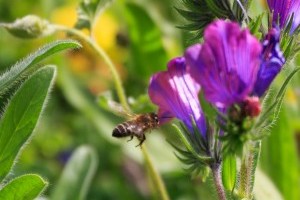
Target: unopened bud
{"x": 252, "y": 107}
{"x": 29, "y": 27}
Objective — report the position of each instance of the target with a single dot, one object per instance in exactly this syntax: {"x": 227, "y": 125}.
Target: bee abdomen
{"x": 122, "y": 130}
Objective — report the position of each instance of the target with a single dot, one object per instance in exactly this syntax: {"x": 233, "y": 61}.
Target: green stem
{"x": 154, "y": 175}
{"x": 104, "y": 56}
{"x": 216, "y": 172}
{"x": 247, "y": 171}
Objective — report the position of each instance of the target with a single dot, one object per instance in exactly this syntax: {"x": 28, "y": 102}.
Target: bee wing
{"x": 118, "y": 109}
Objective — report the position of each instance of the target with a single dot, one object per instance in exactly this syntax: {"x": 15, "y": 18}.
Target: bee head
{"x": 155, "y": 117}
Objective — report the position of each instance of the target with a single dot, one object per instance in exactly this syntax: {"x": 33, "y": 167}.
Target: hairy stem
{"x": 101, "y": 53}
{"x": 247, "y": 171}
{"x": 154, "y": 175}
{"x": 216, "y": 172}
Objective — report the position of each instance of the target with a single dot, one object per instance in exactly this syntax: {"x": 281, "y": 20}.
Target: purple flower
{"x": 226, "y": 64}
{"x": 272, "y": 62}
{"x": 283, "y": 11}
{"x": 176, "y": 94}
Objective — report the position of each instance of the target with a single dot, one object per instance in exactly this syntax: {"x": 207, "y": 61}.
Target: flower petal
{"x": 283, "y": 11}
{"x": 226, "y": 64}
{"x": 176, "y": 94}
{"x": 272, "y": 62}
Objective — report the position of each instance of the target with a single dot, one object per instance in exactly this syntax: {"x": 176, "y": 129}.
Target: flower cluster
{"x": 230, "y": 72}
{"x": 231, "y": 68}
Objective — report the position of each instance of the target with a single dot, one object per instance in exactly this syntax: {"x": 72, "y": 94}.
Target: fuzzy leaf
{"x": 77, "y": 175}
{"x": 88, "y": 11}
{"x": 25, "y": 187}
{"x": 24, "y": 67}
{"x": 21, "y": 116}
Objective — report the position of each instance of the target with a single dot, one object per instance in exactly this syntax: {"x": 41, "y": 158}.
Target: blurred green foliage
{"x": 143, "y": 38}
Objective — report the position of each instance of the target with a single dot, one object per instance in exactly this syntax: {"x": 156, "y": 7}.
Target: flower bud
{"x": 252, "y": 107}
{"x": 29, "y": 27}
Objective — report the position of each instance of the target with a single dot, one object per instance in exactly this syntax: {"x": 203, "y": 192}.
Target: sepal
{"x": 193, "y": 144}
{"x": 198, "y": 153}
{"x": 255, "y": 26}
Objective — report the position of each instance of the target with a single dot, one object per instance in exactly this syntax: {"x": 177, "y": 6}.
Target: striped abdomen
{"x": 124, "y": 129}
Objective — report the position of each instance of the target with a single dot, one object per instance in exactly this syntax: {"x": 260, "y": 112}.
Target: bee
{"x": 137, "y": 127}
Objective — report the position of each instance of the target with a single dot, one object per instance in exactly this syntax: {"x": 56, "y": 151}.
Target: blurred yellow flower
{"x": 65, "y": 15}
{"x": 88, "y": 67}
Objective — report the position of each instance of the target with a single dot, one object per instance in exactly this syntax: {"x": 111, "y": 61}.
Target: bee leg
{"x": 142, "y": 138}
{"x": 131, "y": 137}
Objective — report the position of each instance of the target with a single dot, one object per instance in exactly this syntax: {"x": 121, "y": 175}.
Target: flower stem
{"x": 154, "y": 175}
{"x": 216, "y": 172}
{"x": 101, "y": 53}
{"x": 247, "y": 171}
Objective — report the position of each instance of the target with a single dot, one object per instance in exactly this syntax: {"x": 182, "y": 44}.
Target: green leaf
{"x": 17, "y": 72}
{"x": 88, "y": 11}
{"x": 200, "y": 13}
{"x": 147, "y": 50}
{"x": 25, "y": 187}
{"x": 77, "y": 175}
{"x": 279, "y": 157}
{"x": 21, "y": 116}
{"x": 229, "y": 171}
{"x": 255, "y": 25}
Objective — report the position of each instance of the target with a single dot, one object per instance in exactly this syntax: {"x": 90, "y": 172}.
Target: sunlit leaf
{"x": 26, "y": 187}
{"x": 264, "y": 187}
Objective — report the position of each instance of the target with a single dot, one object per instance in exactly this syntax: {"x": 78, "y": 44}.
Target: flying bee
{"x": 137, "y": 127}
